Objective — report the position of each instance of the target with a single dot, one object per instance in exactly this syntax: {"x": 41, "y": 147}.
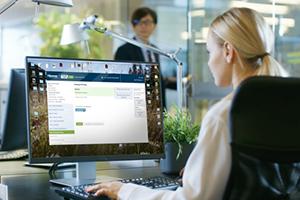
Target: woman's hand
{"x": 109, "y": 189}
{"x": 179, "y": 180}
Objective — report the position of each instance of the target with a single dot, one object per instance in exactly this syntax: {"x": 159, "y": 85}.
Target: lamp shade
{"x": 72, "y": 34}
{"x": 64, "y": 3}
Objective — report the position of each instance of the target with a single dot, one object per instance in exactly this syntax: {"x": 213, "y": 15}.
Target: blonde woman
{"x": 239, "y": 45}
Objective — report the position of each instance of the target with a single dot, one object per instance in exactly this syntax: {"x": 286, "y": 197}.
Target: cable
{"x": 53, "y": 169}
{"x": 56, "y": 166}
{"x": 36, "y": 12}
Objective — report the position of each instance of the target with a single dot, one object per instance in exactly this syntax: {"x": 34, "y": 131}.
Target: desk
{"x": 32, "y": 183}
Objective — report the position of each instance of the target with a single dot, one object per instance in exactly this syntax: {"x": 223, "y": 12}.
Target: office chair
{"x": 265, "y": 129}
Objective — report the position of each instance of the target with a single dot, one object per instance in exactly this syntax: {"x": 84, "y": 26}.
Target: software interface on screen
{"x": 93, "y": 108}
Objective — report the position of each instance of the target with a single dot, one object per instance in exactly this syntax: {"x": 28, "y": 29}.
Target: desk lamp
{"x": 63, "y": 3}
{"x": 72, "y": 33}
{"x": 90, "y": 24}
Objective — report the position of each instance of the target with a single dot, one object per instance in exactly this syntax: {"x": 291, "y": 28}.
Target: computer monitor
{"x": 14, "y": 127}
{"x": 93, "y": 110}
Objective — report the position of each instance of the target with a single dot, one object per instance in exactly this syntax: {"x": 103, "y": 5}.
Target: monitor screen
{"x": 14, "y": 127}
{"x": 93, "y": 110}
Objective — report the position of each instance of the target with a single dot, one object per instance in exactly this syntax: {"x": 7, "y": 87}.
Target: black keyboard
{"x": 78, "y": 193}
{"x": 157, "y": 182}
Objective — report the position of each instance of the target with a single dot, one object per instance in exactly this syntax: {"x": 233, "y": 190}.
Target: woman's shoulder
{"x": 220, "y": 110}
{"x": 215, "y": 122}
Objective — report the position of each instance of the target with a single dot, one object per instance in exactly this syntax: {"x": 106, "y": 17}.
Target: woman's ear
{"x": 228, "y": 52}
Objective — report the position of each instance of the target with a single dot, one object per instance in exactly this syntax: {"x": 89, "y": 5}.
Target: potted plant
{"x": 180, "y": 135}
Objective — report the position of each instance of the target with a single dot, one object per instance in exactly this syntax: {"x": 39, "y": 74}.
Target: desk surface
{"x": 33, "y": 183}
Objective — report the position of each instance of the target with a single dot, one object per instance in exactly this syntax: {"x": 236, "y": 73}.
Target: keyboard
{"x": 14, "y": 154}
{"x": 157, "y": 182}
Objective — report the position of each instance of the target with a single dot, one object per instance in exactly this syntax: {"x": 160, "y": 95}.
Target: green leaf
{"x": 179, "y": 128}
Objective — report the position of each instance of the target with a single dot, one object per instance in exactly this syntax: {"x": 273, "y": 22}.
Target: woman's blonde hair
{"x": 251, "y": 36}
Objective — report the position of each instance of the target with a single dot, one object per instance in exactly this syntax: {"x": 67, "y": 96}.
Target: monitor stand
{"x": 85, "y": 174}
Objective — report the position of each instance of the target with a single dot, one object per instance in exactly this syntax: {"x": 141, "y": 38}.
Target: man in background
{"x": 143, "y": 22}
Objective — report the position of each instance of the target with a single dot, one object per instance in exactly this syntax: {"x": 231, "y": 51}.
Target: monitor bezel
{"x": 14, "y": 135}
{"x": 85, "y": 158}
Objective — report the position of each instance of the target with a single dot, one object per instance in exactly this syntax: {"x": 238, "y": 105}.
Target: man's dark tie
{"x": 149, "y": 56}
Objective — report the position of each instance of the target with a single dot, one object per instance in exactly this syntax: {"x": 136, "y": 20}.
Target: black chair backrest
{"x": 265, "y": 131}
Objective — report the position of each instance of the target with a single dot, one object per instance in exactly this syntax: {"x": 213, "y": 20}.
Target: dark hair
{"x": 139, "y": 13}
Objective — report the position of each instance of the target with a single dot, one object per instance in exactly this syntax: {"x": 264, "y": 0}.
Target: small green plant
{"x": 179, "y": 128}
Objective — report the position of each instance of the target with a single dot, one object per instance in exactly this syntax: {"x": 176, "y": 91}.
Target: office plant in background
{"x": 180, "y": 135}
{"x": 51, "y": 25}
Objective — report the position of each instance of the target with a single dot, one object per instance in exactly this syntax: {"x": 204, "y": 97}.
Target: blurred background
{"x": 181, "y": 23}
